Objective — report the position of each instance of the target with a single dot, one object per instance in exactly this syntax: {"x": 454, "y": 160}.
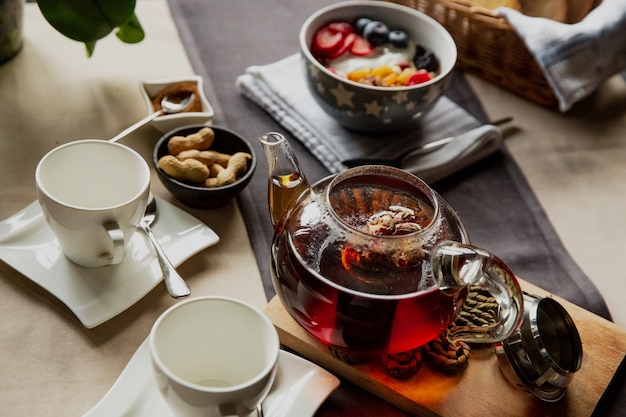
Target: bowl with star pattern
{"x": 356, "y": 57}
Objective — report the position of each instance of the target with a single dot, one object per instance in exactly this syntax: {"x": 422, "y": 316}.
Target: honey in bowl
{"x": 176, "y": 93}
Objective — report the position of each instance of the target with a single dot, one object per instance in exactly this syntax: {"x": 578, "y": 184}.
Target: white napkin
{"x": 280, "y": 89}
{"x": 575, "y": 58}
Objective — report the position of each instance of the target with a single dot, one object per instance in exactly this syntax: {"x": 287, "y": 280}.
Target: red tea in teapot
{"x": 373, "y": 295}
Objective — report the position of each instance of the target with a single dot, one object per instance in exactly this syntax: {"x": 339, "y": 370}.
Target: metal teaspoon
{"x": 167, "y": 107}
{"x": 175, "y": 284}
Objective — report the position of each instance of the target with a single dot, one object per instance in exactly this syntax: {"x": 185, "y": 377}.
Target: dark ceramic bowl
{"x": 369, "y": 108}
{"x": 226, "y": 141}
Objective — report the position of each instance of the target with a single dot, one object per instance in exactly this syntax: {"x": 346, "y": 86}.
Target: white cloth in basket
{"x": 575, "y": 58}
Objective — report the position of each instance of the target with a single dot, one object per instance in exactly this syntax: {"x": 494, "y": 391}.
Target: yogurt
{"x": 384, "y": 56}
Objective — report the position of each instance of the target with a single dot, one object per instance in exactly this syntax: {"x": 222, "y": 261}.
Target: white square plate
{"x": 96, "y": 295}
{"x": 298, "y": 391}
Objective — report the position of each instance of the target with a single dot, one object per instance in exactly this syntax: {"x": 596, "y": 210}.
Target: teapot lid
{"x": 545, "y": 352}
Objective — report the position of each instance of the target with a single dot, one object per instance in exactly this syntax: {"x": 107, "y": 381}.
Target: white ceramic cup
{"x": 93, "y": 194}
{"x": 214, "y": 356}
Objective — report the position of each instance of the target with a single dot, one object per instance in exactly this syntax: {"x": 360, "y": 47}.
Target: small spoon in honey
{"x": 167, "y": 107}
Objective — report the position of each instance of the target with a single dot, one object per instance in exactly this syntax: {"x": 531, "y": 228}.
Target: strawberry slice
{"x": 326, "y": 41}
{"x": 418, "y": 78}
{"x": 361, "y": 47}
{"x": 341, "y": 27}
{"x": 348, "y": 41}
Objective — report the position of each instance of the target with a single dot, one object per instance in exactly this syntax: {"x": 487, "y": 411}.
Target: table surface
{"x": 573, "y": 162}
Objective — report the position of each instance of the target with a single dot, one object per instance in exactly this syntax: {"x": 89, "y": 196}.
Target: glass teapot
{"x": 374, "y": 260}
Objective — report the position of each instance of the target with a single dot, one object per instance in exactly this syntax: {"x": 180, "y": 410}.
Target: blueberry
{"x": 360, "y": 24}
{"x": 399, "y": 38}
{"x": 377, "y": 33}
{"x": 424, "y": 58}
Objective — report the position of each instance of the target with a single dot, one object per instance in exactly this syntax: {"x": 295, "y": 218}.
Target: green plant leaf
{"x": 131, "y": 31}
{"x": 90, "y": 47}
{"x": 87, "y": 20}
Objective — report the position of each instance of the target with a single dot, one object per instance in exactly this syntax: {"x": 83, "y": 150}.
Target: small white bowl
{"x": 150, "y": 89}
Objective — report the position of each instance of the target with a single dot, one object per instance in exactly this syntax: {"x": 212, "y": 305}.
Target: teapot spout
{"x": 286, "y": 181}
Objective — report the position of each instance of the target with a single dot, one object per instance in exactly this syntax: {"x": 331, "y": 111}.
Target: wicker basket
{"x": 488, "y": 47}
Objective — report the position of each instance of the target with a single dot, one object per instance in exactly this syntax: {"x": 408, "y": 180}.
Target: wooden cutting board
{"x": 481, "y": 389}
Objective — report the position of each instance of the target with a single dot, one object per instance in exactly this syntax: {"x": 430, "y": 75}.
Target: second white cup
{"x": 214, "y": 357}
{"x": 93, "y": 194}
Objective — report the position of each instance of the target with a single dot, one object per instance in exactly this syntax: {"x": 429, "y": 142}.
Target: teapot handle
{"x": 457, "y": 265}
